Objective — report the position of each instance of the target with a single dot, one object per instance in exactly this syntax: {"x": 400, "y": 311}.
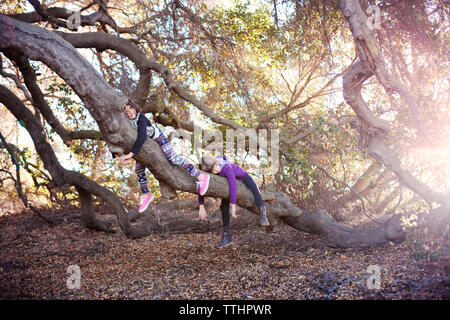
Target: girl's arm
{"x": 201, "y": 208}
{"x": 125, "y": 158}
{"x": 232, "y": 184}
{"x": 202, "y": 212}
{"x": 142, "y": 134}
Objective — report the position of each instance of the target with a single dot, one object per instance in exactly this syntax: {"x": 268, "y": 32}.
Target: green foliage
{"x": 13, "y": 6}
{"x": 427, "y": 244}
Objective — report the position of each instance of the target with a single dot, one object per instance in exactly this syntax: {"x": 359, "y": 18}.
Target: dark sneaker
{"x": 263, "y": 221}
{"x": 227, "y": 238}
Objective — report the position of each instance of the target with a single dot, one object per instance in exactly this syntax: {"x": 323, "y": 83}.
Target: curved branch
{"x": 102, "y": 41}
{"x": 370, "y": 55}
{"x": 62, "y": 177}
{"x": 16, "y": 80}
{"x": 374, "y": 130}
{"x": 57, "y": 15}
{"x": 18, "y": 183}
{"x": 38, "y": 100}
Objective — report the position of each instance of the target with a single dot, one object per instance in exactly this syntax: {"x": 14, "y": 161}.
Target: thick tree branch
{"x": 62, "y": 177}
{"x": 364, "y": 181}
{"x": 38, "y": 100}
{"x": 17, "y": 180}
{"x": 372, "y": 59}
{"x": 16, "y": 80}
{"x": 103, "y": 41}
{"x": 57, "y": 16}
{"x": 373, "y": 129}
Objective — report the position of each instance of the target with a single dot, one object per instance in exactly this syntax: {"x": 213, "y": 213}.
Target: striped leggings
{"x": 170, "y": 154}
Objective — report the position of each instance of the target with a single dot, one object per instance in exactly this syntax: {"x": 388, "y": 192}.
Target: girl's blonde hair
{"x": 207, "y": 163}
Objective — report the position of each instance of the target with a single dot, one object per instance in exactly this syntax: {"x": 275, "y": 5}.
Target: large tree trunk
{"x": 375, "y": 130}
{"x": 105, "y": 105}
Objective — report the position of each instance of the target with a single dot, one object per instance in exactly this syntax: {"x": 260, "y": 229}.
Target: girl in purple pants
{"x": 221, "y": 166}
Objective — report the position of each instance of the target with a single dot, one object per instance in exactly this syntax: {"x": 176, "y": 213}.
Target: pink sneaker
{"x": 203, "y": 184}
{"x": 146, "y": 198}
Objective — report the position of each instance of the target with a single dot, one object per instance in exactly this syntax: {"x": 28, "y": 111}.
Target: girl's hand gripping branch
{"x": 233, "y": 211}
{"x": 125, "y": 159}
{"x": 202, "y": 212}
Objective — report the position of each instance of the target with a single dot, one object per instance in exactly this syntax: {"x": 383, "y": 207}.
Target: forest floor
{"x": 283, "y": 264}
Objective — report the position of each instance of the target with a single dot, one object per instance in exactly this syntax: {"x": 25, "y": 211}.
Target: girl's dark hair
{"x": 207, "y": 163}
{"x": 133, "y": 105}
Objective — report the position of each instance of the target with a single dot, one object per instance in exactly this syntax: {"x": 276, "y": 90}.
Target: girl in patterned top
{"x": 148, "y": 130}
